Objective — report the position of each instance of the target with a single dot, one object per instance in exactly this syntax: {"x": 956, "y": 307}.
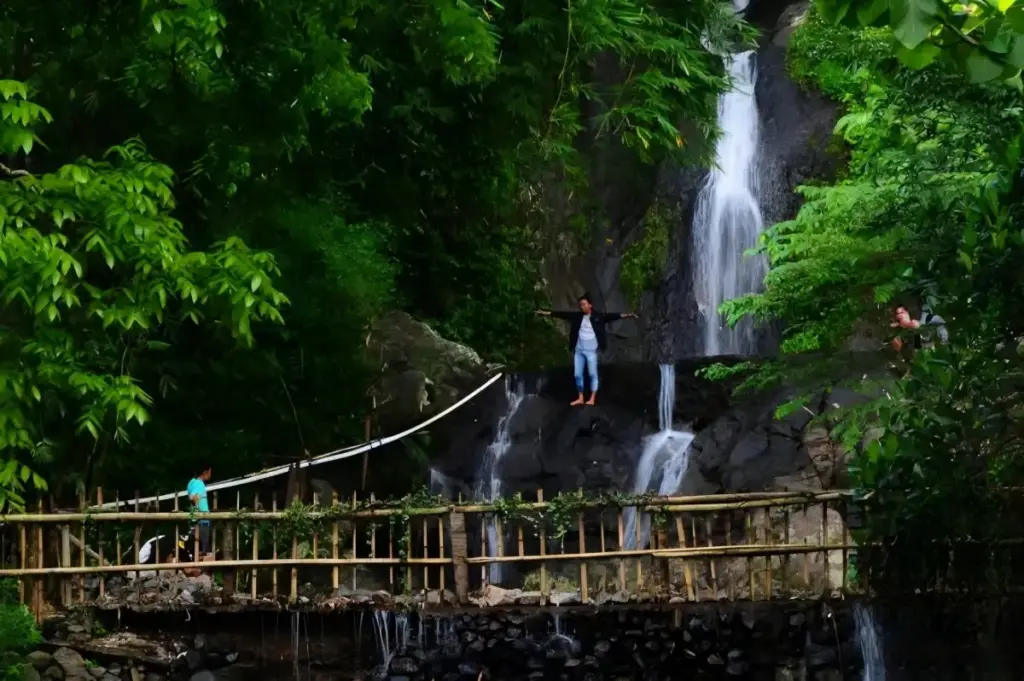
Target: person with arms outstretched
{"x": 587, "y": 336}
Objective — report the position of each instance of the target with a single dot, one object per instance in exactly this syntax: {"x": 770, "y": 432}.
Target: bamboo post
{"x": 391, "y": 554}
{"x": 426, "y": 553}
{"x": 767, "y": 522}
{"x": 639, "y": 561}
{"x": 254, "y": 575}
{"x": 457, "y": 523}
{"x": 846, "y": 556}
{"x": 484, "y": 572}
{"x": 81, "y": 563}
{"x": 786, "y": 567}
{"x": 408, "y": 555}
{"x": 584, "y": 590}
{"x": 231, "y": 548}
{"x": 273, "y": 539}
{"x": 136, "y": 546}
{"x": 40, "y": 562}
{"x": 691, "y": 593}
{"x": 663, "y": 566}
{"x": 99, "y": 542}
{"x": 824, "y": 542}
{"x": 806, "y": 556}
{"x": 603, "y": 586}
{"x": 622, "y": 543}
{"x": 355, "y": 547}
{"x": 543, "y": 552}
{"x": 750, "y": 561}
{"x": 335, "y": 531}
{"x": 65, "y": 561}
{"x": 731, "y": 585}
{"x": 440, "y": 544}
{"x": 177, "y": 533}
{"x": 293, "y": 591}
{"x": 711, "y": 560}
{"x": 213, "y": 530}
{"x": 22, "y": 556}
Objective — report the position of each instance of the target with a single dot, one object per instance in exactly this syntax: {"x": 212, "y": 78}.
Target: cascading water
{"x": 869, "y": 642}
{"x": 387, "y": 646}
{"x": 489, "y": 479}
{"x": 727, "y": 220}
{"x": 666, "y": 451}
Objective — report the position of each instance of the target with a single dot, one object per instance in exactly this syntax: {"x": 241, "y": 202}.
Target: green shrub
{"x": 18, "y": 633}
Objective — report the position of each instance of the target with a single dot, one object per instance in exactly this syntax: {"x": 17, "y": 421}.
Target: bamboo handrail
{"x": 695, "y": 504}
{"x": 273, "y": 562}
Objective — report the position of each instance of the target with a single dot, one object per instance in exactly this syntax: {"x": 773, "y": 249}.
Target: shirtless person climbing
{"x": 587, "y": 336}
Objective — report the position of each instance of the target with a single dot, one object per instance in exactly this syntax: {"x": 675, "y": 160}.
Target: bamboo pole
{"x": 767, "y": 529}
{"x": 273, "y": 539}
{"x": 279, "y": 562}
{"x": 254, "y": 575}
{"x": 731, "y": 586}
{"x": 440, "y": 544}
{"x": 426, "y": 552}
{"x": 484, "y": 572}
{"x": 622, "y": 563}
{"x": 711, "y": 562}
{"x": 335, "y": 531}
{"x": 543, "y": 552}
{"x": 691, "y": 593}
{"x": 23, "y": 555}
{"x": 584, "y": 591}
{"x": 81, "y": 553}
{"x": 695, "y": 504}
{"x": 750, "y": 565}
{"x": 99, "y": 544}
{"x": 355, "y": 546}
{"x": 603, "y": 586}
{"x": 824, "y": 541}
{"x": 65, "y": 561}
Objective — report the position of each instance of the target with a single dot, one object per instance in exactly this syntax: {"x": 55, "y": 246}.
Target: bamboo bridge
{"x": 431, "y": 553}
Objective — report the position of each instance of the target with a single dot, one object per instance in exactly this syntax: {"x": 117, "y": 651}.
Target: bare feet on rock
{"x": 577, "y": 402}
{"x": 592, "y": 401}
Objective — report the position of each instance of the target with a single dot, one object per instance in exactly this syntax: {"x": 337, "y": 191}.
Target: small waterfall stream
{"x": 870, "y": 643}
{"x": 727, "y": 220}
{"x": 489, "y": 478}
{"x": 667, "y": 452}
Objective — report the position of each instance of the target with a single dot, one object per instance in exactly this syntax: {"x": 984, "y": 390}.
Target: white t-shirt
{"x": 587, "y": 339}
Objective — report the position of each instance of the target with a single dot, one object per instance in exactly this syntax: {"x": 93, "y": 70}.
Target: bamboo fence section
{"x": 756, "y": 546}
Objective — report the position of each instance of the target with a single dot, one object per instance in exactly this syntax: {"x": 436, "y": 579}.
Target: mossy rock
{"x": 643, "y": 263}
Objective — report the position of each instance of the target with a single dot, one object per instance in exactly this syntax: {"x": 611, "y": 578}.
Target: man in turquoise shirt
{"x": 196, "y": 491}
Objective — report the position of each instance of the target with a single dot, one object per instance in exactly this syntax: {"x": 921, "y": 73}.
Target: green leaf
{"x": 832, "y": 10}
{"x": 869, "y": 12}
{"x": 913, "y": 20}
{"x": 157, "y": 25}
{"x": 981, "y": 69}
{"x": 966, "y": 260}
{"x": 1004, "y": 5}
{"x": 920, "y": 56}
{"x": 1015, "y": 17}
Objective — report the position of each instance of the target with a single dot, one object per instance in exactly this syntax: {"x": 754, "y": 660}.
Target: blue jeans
{"x": 588, "y": 357}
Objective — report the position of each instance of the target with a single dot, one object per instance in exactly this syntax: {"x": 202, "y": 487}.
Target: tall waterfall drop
{"x": 727, "y": 220}
{"x": 489, "y": 478}
{"x": 869, "y": 642}
{"x": 667, "y": 452}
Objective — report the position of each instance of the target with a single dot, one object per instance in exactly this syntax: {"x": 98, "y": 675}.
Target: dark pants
{"x": 204, "y": 536}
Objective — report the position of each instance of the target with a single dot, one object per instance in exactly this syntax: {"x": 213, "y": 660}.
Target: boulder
{"x": 31, "y": 673}
{"x": 39, "y": 659}
{"x": 421, "y": 372}
{"x": 71, "y": 663}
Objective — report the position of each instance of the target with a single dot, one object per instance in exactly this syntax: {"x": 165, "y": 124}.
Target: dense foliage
{"x": 926, "y": 213}
{"x": 293, "y": 169}
{"x": 18, "y": 633}
{"x": 985, "y": 40}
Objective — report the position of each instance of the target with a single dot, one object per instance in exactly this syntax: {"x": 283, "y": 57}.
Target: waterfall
{"x": 869, "y": 642}
{"x": 666, "y": 451}
{"x": 388, "y": 647}
{"x": 727, "y": 220}
{"x": 488, "y": 486}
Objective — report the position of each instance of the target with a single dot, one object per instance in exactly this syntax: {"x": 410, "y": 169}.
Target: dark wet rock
{"x": 39, "y": 659}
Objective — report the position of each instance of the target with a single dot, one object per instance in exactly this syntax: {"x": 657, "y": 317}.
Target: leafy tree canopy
{"x": 313, "y": 163}
{"x": 926, "y": 213}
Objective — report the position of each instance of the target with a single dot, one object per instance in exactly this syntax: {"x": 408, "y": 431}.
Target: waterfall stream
{"x": 727, "y": 219}
{"x": 869, "y": 642}
{"x": 666, "y": 451}
{"x": 489, "y": 478}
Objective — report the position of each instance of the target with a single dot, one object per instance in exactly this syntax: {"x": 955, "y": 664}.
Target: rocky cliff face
{"x": 796, "y": 127}
{"x": 739, "y": 446}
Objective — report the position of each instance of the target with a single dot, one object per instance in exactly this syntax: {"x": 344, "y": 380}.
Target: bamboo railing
{"x": 754, "y": 546}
